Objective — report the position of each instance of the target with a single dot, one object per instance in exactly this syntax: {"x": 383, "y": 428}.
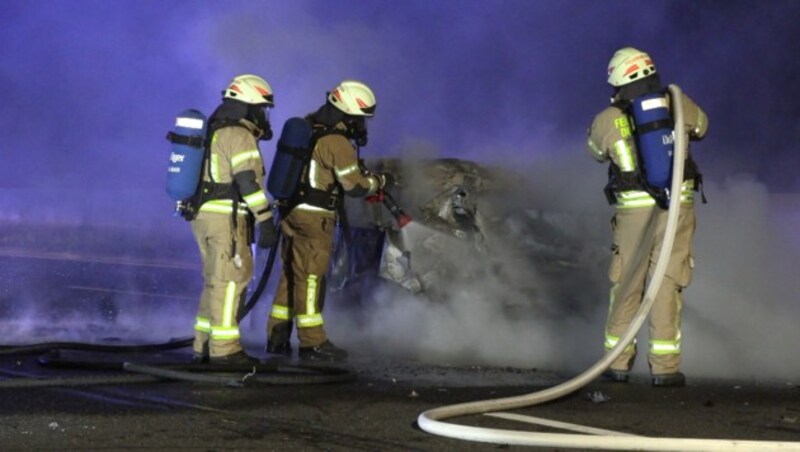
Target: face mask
{"x": 266, "y": 132}
{"x": 357, "y": 130}
{"x": 260, "y": 117}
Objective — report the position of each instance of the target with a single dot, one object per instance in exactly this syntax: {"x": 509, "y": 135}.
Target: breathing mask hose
{"x": 262, "y": 282}
{"x": 431, "y": 420}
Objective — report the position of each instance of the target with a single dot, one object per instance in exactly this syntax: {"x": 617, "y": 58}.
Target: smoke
{"x": 91, "y": 88}
{"x": 740, "y": 312}
{"x": 533, "y": 296}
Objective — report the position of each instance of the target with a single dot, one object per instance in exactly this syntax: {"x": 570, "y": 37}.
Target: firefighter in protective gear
{"x": 638, "y": 224}
{"x": 310, "y": 219}
{"x": 231, "y": 202}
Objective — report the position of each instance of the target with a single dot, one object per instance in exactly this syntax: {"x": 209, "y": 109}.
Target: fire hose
{"x": 432, "y": 421}
{"x": 265, "y": 274}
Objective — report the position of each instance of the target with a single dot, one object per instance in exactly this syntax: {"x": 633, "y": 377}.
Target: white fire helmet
{"x": 629, "y": 65}
{"x": 354, "y": 98}
{"x": 250, "y": 89}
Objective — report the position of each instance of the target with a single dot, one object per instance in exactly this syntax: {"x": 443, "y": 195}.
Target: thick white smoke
{"x": 740, "y": 311}
{"x": 516, "y": 311}
{"x": 740, "y": 316}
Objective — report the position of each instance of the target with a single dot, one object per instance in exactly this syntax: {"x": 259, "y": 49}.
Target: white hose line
{"x": 431, "y": 420}
{"x": 557, "y": 424}
{"x": 616, "y": 443}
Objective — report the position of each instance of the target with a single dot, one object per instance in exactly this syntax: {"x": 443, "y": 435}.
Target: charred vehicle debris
{"x": 470, "y": 224}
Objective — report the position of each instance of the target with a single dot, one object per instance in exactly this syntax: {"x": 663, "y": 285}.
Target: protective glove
{"x": 267, "y": 234}
{"x": 387, "y": 181}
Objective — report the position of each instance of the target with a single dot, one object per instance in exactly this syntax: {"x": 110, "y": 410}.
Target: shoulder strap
{"x": 193, "y": 141}
{"x": 305, "y": 194}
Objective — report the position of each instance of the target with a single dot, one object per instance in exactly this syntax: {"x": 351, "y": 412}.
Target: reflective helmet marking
{"x": 628, "y": 65}
{"x": 353, "y": 98}
{"x": 250, "y": 89}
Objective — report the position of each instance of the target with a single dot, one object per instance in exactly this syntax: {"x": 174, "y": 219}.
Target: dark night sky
{"x": 91, "y": 87}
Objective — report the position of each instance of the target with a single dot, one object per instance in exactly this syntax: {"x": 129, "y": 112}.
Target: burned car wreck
{"x": 470, "y": 225}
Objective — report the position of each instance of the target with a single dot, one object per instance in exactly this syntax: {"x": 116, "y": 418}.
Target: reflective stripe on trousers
{"x": 228, "y": 328}
{"x": 612, "y": 341}
{"x": 311, "y": 317}
{"x": 202, "y": 324}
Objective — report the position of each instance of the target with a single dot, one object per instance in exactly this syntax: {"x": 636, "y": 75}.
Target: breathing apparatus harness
{"x": 325, "y": 121}
{"x": 228, "y": 114}
{"x": 645, "y": 104}
{"x": 330, "y": 199}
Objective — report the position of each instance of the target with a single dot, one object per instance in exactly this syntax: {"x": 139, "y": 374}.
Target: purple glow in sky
{"x": 92, "y": 86}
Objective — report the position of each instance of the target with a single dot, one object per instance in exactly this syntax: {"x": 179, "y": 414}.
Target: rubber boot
{"x": 239, "y": 358}
{"x": 324, "y": 352}
{"x": 669, "y": 380}
{"x": 617, "y": 376}
{"x": 621, "y": 375}
{"x": 279, "y": 342}
{"x": 202, "y": 357}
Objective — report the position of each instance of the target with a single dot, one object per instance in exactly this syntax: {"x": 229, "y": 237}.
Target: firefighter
{"x": 638, "y": 223}
{"x": 309, "y": 220}
{"x": 231, "y": 205}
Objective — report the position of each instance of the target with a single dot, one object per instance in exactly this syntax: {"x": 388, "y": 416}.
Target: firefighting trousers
{"x": 226, "y": 273}
{"x": 306, "y": 254}
{"x": 638, "y": 234}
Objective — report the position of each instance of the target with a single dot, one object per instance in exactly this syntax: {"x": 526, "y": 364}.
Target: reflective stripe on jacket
{"x": 234, "y": 150}
{"x": 334, "y": 160}
{"x": 632, "y": 199}
{"x": 221, "y": 206}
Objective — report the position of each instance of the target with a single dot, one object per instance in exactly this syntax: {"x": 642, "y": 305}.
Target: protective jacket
{"x": 334, "y": 164}
{"x": 308, "y": 239}
{"x": 611, "y": 139}
{"x": 223, "y": 229}
{"x": 234, "y": 172}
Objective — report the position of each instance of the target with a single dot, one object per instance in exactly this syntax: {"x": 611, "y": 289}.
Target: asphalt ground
{"x": 375, "y": 410}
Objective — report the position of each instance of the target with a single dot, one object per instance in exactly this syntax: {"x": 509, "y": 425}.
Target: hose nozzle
{"x": 400, "y": 216}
